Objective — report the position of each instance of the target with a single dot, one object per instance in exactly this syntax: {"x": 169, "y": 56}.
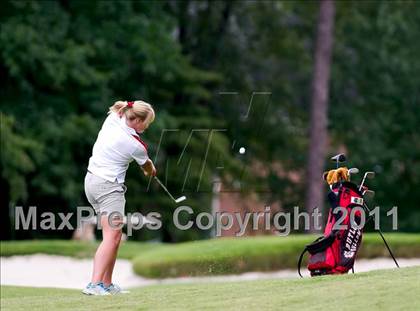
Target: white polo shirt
{"x": 116, "y": 146}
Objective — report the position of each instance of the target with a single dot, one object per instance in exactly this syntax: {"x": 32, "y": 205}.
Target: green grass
{"x": 382, "y": 290}
{"x": 77, "y": 249}
{"x": 237, "y": 255}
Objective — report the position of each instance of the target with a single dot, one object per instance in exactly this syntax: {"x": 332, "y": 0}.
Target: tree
{"x": 63, "y": 64}
{"x": 319, "y": 106}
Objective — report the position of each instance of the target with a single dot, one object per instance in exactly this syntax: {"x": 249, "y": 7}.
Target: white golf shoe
{"x": 96, "y": 289}
{"x": 114, "y": 289}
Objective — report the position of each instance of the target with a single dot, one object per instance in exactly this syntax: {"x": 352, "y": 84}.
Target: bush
{"x": 238, "y": 255}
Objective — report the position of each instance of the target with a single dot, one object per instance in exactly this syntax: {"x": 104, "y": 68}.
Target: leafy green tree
{"x": 63, "y": 63}
{"x": 375, "y": 102}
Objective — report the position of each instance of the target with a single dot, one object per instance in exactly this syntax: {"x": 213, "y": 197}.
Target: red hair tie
{"x": 130, "y": 104}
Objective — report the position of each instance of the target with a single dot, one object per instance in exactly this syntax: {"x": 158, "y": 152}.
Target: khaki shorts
{"x": 105, "y": 197}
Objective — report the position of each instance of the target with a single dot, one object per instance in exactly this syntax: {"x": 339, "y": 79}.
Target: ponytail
{"x": 118, "y": 107}
{"x": 134, "y": 109}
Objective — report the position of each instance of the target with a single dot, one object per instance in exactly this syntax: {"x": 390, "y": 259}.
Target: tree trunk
{"x": 319, "y": 108}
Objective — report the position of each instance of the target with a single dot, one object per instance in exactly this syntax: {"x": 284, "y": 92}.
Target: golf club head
{"x": 339, "y": 158}
{"x": 370, "y": 175}
{"x": 180, "y": 199}
{"x": 353, "y": 170}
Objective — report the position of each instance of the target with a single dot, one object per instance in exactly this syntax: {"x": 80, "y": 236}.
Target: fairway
{"x": 376, "y": 290}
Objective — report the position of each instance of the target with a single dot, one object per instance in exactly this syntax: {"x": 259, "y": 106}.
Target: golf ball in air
{"x": 242, "y": 150}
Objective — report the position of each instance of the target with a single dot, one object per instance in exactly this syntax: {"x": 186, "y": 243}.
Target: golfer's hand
{"x": 149, "y": 168}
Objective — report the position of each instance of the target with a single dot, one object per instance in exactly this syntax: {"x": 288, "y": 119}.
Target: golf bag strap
{"x": 320, "y": 244}
{"x": 140, "y": 141}
{"x": 300, "y": 261}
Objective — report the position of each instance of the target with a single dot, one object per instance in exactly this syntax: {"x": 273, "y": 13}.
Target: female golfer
{"x": 118, "y": 143}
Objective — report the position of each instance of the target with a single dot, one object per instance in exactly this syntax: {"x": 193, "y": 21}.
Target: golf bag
{"x": 336, "y": 250}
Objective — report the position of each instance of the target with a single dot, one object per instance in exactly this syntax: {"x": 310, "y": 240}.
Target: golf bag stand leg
{"x": 387, "y": 246}
{"x": 382, "y": 236}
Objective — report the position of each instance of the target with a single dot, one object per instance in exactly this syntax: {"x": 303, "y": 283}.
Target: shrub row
{"x": 238, "y": 255}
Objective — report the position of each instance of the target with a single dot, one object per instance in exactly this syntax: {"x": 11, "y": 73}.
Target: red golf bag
{"x": 335, "y": 251}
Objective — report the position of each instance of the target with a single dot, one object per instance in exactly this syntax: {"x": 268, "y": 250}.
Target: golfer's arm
{"x": 149, "y": 168}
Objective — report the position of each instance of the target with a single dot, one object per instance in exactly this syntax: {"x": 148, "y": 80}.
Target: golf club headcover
{"x": 337, "y": 175}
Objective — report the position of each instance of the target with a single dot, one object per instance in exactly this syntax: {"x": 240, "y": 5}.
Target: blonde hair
{"x": 135, "y": 109}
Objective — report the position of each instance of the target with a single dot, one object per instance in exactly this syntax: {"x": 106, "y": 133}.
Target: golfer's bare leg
{"x": 110, "y": 269}
{"x": 106, "y": 253}
{"x": 108, "y": 273}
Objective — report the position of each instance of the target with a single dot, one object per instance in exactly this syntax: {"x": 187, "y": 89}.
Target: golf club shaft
{"x": 164, "y": 188}
{"x": 362, "y": 183}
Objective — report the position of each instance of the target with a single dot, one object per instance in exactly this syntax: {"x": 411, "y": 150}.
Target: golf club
{"x": 339, "y": 158}
{"x": 179, "y": 200}
{"x": 353, "y": 170}
{"x": 369, "y": 175}
{"x": 370, "y": 194}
